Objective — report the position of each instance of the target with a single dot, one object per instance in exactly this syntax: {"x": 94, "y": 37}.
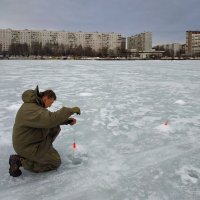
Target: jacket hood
{"x": 32, "y": 96}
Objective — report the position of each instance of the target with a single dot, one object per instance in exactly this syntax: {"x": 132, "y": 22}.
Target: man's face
{"x": 47, "y": 101}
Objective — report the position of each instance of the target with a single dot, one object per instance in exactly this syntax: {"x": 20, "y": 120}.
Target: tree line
{"x": 60, "y": 50}
{"x": 56, "y": 50}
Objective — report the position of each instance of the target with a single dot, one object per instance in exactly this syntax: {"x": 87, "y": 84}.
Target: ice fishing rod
{"x": 74, "y": 136}
{"x": 166, "y": 123}
{"x": 76, "y": 159}
{"x": 74, "y": 139}
{"x": 69, "y": 121}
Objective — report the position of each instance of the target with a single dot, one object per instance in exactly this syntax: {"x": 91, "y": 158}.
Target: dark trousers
{"x": 44, "y": 160}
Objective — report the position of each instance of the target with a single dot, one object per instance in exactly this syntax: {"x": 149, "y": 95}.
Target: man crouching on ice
{"x": 35, "y": 130}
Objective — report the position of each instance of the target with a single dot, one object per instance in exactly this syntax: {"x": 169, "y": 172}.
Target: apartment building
{"x": 173, "y": 48}
{"x": 192, "y": 42}
{"x": 140, "y": 42}
{"x": 5, "y": 39}
{"x": 95, "y": 40}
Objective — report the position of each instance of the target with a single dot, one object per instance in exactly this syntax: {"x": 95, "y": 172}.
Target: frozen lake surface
{"x": 138, "y": 135}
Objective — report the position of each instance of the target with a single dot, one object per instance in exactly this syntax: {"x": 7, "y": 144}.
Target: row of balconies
{"x": 92, "y": 39}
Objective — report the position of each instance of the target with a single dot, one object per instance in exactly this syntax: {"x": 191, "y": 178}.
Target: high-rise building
{"x": 94, "y": 40}
{"x": 140, "y": 42}
{"x": 5, "y": 39}
{"x": 192, "y": 42}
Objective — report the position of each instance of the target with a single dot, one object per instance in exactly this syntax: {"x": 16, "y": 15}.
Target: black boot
{"x": 15, "y": 164}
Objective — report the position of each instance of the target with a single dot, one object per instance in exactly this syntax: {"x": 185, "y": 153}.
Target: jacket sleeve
{"x": 43, "y": 118}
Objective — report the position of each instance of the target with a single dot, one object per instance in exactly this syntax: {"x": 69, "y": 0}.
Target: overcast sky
{"x": 168, "y": 20}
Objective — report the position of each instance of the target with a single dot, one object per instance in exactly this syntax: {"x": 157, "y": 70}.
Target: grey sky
{"x": 168, "y": 20}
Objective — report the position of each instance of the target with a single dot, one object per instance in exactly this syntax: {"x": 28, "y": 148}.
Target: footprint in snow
{"x": 189, "y": 174}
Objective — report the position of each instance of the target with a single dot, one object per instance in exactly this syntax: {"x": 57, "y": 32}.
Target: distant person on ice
{"x": 35, "y": 130}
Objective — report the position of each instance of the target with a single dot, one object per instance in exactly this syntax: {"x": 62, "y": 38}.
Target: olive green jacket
{"x": 33, "y": 122}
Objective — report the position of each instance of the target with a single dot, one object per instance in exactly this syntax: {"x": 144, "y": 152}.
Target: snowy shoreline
{"x": 90, "y": 58}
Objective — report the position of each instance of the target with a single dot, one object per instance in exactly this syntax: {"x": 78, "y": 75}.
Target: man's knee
{"x": 50, "y": 166}
{"x": 57, "y": 163}
{"x": 54, "y": 161}
{"x": 50, "y": 161}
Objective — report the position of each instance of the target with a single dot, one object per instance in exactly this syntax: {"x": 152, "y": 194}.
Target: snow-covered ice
{"x": 85, "y": 94}
{"x": 138, "y": 137}
{"x": 181, "y": 102}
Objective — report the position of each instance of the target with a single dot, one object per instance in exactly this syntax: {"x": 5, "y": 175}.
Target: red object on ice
{"x": 166, "y": 123}
{"x": 74, "y": 145}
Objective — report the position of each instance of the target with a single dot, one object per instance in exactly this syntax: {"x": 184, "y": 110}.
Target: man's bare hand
{"x": 73, "y": 121}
